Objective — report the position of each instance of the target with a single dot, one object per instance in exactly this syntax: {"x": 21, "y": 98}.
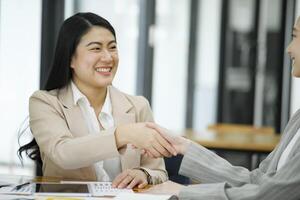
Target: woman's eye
{"x": 96, "y": 49}
{"x": 113, "y": 47}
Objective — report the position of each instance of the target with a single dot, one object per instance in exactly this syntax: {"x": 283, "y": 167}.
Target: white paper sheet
{"x": 139, "y": 196}
{"x": 14, "y": 197}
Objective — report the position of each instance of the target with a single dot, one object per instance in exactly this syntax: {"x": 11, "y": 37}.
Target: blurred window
{"x": 207, "y": 64}
{"x": 20, "y": 36}
{"x": 171, "y": 39}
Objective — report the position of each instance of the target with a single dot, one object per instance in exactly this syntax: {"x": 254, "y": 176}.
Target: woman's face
{"x": 95, "y": 60}
{"x": 294, "y": 49}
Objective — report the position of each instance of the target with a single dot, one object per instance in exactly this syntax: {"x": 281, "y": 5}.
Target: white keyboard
{"x": 105, "y": 189}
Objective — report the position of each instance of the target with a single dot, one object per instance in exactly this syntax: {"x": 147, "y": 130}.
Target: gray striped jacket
{"x": 222, "y": 181}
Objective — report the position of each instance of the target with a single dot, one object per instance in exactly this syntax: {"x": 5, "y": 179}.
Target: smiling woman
{"x": 83, "y": 127}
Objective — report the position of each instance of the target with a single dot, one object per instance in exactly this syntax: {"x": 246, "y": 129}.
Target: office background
{"x": 197, "y": 61}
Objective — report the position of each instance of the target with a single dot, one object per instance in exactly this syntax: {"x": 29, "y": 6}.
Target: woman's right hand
{"x": 179, "y": 143}
{"x": 144, "y": 138}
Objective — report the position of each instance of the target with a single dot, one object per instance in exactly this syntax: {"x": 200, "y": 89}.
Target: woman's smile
{"x": 105, "y": 71}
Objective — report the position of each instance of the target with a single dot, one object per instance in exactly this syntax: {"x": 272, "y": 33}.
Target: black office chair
{"x": 172, "y": 167}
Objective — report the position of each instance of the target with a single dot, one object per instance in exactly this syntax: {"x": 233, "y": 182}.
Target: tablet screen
{"x": 64, "y": 188}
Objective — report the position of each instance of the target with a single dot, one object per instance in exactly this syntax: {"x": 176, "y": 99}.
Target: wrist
{"x": 148, "y": 176}
{"x": 121, "y": 136}
{"x": 185, "y": 144}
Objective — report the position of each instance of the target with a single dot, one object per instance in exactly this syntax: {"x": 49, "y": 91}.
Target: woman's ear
{"x": 72, "y": 63}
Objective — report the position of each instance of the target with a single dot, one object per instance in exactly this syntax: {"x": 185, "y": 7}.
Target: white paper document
{"x": 14, "y": 197}
{"x": 139, "y": 196}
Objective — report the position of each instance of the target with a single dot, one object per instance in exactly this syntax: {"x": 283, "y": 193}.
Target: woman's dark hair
{"x": 60, "y": 73}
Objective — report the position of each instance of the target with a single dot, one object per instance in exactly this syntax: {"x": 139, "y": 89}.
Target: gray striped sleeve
{"x": 204, "y": 191}
{"x": 205, "y": 166}
{"x": 284, "y": 184}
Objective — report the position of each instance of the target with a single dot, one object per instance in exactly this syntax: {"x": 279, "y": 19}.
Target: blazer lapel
{"x": 72, "y": 112}
{"x": 123, "y": 113}
{"x": 75, "y": 120}
{"x": 121, "y": 107}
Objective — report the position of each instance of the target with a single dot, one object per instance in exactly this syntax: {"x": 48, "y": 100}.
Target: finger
{"x": 167, "y": 147}
{"x": 143, "y": 184}
{"x": 150, "y": 125}
{"x": 134, "y": 182}
{"x": 119, "y": 178}
{"x": 149, "y": 154}
{"x": 154, "y": 152}
{"x": 143, "y": 151}
{"x": 125, "y": 181}
{"x": 155, "y": 127}
{"x": 170, "y": 150}
{"x": 162, "y": 131}
{"x": 159, "y": 148}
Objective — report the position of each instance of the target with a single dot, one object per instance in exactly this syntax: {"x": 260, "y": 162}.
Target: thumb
{"x": 162, "y": 131}
{"x": 150, "y": 125}
{"x": 154, "y": 126}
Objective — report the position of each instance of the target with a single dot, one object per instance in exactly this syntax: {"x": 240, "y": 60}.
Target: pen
{"x": 21, "y": 185}
{"x": 6, "y": 185}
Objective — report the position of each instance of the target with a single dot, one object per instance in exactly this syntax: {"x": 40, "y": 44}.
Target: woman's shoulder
{"x": 39, "y": 93}
{"x": 45, "y": 95}
{"x": 43, "y": 99}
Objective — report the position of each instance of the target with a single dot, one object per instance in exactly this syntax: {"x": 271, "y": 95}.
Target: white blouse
{"x": 286, "y": 152}
{"x": 106, "y": 170}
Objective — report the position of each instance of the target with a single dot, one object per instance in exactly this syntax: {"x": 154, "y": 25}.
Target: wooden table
{"x": 251, "y": 143}
{"x": 254, "y": 142}
{"x": 169, "y": 187}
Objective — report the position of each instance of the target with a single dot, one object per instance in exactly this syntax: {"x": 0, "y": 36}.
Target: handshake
{"x": 154, "y": 140}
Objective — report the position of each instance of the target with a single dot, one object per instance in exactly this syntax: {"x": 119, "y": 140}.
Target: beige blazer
{"x": 69, "y": 151}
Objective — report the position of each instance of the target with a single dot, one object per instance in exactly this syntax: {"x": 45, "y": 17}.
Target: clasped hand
{"x": 146, "y": 138}
{"x": 154, "y": 140}
{"x": 179, "y": 143}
